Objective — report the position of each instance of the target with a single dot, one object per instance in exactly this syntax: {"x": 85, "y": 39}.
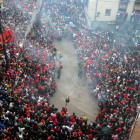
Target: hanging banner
{"x": 8, "y": 36}
{"x": 1, "y": 40}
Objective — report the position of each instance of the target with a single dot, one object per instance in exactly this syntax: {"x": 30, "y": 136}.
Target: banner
{"x": 1, "y": 40}
{"x": 8, "y": 36}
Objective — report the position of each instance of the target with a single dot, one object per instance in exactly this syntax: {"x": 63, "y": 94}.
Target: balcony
{"x": 121, "y": 17}
{"x": 135, "y": 18}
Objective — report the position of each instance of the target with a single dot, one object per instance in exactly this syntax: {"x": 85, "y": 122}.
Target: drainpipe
{"x": 96, "y": 9}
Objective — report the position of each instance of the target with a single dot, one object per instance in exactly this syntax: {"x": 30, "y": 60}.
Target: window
{"x": 108, "y": 12}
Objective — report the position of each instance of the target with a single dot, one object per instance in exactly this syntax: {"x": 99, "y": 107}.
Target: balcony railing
{"x": 121, "y": 17}
{"x": 135, "y": 18}
{"x": 137, "y": 1}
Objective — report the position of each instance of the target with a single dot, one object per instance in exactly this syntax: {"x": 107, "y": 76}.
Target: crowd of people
{"x": 110, "y": 61}
{"x": 121, "y": 15}
{"x": 135, "y": 16}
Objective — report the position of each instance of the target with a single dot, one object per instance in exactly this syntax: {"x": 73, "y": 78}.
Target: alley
{"x": 81, "y": 101}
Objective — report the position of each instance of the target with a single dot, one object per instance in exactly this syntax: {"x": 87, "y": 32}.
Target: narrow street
{"x": 81, "y": 101}
{"x": 69, "y": 85}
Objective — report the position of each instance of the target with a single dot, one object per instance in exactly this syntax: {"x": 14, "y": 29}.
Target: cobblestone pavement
{"x": 81, "y": 101}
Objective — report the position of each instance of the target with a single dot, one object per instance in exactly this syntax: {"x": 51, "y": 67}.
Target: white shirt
{"x": 21, "y": 130}
{"x": 70, "y": 129}
{"x": 20, "y": 136}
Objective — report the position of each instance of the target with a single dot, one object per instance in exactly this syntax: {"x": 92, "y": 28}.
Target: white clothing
{"x": 21, "y": 130}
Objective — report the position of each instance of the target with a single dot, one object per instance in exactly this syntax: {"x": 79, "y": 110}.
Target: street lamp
{"x": 1, "y": 33}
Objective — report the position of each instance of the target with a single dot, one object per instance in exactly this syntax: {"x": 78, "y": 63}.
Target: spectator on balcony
{"x": 133, "y": 16}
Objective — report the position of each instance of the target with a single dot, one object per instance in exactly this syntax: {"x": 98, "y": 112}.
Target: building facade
{"x": 113, "y": 13}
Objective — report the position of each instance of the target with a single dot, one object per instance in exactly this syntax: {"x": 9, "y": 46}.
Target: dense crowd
{"x": 110, "y": 61}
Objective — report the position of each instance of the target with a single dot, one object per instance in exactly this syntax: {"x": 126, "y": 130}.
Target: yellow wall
{"x": 129, "y": 9}
{"x": 102, "y": 5}
{"x": 91, "y": 9}
{"x": 107, "y": 4}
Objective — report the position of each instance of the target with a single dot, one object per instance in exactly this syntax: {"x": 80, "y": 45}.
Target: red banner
{"x": 8, "y": 36}
{"x": 1, "y": 40}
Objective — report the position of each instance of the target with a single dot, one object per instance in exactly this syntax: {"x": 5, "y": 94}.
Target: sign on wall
{"x": 8, "y": 36}
{"x": 1, "y": 40}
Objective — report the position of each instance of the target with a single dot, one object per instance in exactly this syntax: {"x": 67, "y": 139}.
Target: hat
{"x": 42, "y": 120}
{"x": 27, "y": 111}
{"x": 90, "y": 129}
{"x": 75, "y": 133}
{"x": 129, "y": 130}
{"x": 109, "y": 124}
{"x": 25, "y": 119}
{"x": 90, "y": 135}
{"x": 113, "y": 119}
{"x": 22, "y": 117}
{"x": 50, "y": 119}
{"x": 80, "y": 133}
{"x": 71, "y": 123}
{"x": 63, "y": 113}
{"x": 8, "y": 138}
{"x": 19, "y": 120}
{"x": 119, "y": 128}
{"x": 25, "y": 125}
{"x": 49, "y": 138}
{"x": 107, "y": 116}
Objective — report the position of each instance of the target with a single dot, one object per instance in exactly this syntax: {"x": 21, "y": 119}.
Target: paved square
{"x": 81, "y": 101}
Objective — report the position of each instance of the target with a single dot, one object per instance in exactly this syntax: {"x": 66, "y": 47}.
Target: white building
{"x": 112, "y": 13}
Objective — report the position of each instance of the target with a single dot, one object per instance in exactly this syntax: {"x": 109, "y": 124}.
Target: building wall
{"x": 113, "y": 5}
{"x": 102, "y": 5}
{"x": 90, "y": 10}
{"x": 129, "y": 9}
{"x": 109, "y": 22}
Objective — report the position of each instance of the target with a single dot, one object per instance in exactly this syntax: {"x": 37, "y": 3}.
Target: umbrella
{"x": 70, "y": 23}
{"x": 106, "y": 131}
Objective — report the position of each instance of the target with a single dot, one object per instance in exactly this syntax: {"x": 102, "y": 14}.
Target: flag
{"x": 1, "y": 40}
{"x": 8, "y": 36}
